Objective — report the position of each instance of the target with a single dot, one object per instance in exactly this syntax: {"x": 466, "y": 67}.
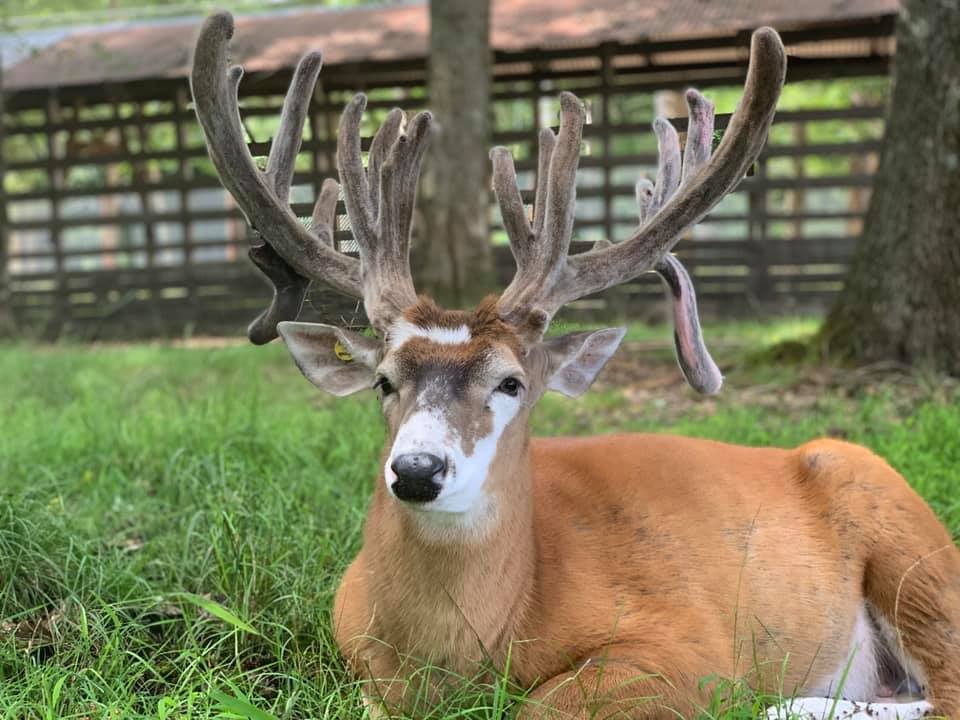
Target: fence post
{"x": 760, "y": 287}
{"x": 141, "y": 176}
{"x": 608, "y": 81}
{"x": 184, "y": 180}
{"x": 59, "y": 307}
{"x": 8, "y": 325}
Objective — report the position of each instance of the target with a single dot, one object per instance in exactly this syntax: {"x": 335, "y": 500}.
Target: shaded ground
{"x": 647, "y": 376}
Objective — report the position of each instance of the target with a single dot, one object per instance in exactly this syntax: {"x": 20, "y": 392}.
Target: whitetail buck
{"x": 617, "y": 572}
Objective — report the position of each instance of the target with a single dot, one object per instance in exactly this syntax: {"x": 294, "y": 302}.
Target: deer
{"x": 610, "y": 575}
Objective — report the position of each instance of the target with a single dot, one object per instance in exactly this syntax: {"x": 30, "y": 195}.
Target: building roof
{"x": 133, "y": 52}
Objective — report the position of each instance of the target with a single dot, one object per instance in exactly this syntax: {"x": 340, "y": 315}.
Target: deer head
{"x": 457, "y": 386}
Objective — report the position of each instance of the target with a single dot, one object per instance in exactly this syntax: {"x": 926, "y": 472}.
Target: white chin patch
{"x": 429, "y": 431}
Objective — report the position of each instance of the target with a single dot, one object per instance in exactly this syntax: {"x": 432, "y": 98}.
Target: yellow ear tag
{"x": 341, "y": 352}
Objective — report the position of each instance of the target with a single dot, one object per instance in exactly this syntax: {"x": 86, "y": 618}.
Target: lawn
{"x": 173, "y": 521}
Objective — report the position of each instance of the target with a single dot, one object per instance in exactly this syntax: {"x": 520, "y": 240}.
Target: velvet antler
{"x": 547, "y": 277}
{"x": 379, "y": 199}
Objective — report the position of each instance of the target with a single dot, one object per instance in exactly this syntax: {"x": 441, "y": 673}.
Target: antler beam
{"x": 291, "y": 253}
{"x": 547, "y": 278}
{"x": 379, "y": 199}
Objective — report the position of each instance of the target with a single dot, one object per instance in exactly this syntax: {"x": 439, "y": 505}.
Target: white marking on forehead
{"x": 403, "y": 330}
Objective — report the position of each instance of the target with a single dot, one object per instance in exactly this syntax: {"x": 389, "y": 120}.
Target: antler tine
{"x": 380, "y": 202}
{"x": 515, "y": 220}
{"x": 398, "y": 186}
{"x": 289, "y": 292}
{"x": 696, "y": 152}
{"x": 292, "y": 253}
{"x": 562, "y": 184}
{"x": 380, "y": 147}
{"x": 324, "y": 216}
{"x": 668, "y": 163}
{"x": 644, "y": 194}
{"x": 741, "y": 144}
{"x": 695, "y": 362}
{"x": 356, "y": 191}
{"x": 286, "y": 144}
{"x": 540, "y": 250}
{"x": 547, "y": 142}
{"x": 525, "y": 240}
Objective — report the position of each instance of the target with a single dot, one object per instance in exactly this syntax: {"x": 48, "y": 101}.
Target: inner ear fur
{"x": 340, "y": 362}
{"x": 575, "y": 359}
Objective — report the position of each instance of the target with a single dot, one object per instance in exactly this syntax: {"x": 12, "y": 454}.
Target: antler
{"x": 293, "y": 253}
{"x": 547, "y": 278}
{"x": 380, "y": 202}
{"x": 540, "y": 250}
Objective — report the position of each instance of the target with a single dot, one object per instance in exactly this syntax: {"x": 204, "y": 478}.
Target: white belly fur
{"x": 814, "y": 708}
{"x": 848, "y": 693}
{"x": 858, "y": 677}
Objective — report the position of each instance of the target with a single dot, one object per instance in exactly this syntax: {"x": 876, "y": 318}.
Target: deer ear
{"x": 341, "y": 362}
{"x": 575, "y": 360}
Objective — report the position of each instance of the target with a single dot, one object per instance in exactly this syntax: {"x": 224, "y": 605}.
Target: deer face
{"x": 456, "y": 390}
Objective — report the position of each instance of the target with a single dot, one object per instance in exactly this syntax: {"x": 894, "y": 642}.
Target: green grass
{"x": 173, "y": 522}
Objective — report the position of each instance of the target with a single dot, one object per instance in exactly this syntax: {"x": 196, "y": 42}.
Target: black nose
{"x": 418, "y": 476}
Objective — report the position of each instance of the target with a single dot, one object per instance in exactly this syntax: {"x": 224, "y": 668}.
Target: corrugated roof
{"x": 140, "y": 51}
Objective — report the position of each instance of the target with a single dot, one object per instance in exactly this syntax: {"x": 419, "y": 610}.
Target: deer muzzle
{"x": 419, "y": 477}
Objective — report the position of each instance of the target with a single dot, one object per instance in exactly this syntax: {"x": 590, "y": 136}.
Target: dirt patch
{"x": 649, "y": 379}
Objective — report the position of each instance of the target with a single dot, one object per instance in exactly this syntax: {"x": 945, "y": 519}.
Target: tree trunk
{"x": 902, "y": 297}
{"x": 7, "y": 324}
{"x": 455, "y": 261}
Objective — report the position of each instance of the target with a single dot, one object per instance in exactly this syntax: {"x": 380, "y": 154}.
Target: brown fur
{"x": 484, "y": 322}
{"x": 625, "y": 569}
{"x": 460, "y": 368}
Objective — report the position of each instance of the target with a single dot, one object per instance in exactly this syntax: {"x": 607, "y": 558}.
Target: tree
{"x": 7, "y": 325}
{"x": 902, "y": 296}
{"x": 455, "y": 260}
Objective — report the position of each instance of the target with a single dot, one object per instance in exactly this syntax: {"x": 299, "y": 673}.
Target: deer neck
{"x": 442, "y": 582}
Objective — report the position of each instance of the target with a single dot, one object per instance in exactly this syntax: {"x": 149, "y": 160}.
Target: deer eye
{"x": 510, "y": 386}
{"x": 384, "y": 386}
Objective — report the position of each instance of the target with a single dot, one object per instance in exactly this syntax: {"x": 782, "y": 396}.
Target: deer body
{"x": 614, "y": 574}
{"x": 663, "y": 567}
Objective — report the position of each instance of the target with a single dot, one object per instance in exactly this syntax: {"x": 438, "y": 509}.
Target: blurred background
{"x": 115, "y": 225}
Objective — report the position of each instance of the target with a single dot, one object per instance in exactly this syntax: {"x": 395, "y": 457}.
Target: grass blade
{"x": 218, "y": 611}
{"x": 240, "y": 707}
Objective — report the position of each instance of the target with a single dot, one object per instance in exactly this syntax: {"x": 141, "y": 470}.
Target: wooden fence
{"x": 118, "y": 226}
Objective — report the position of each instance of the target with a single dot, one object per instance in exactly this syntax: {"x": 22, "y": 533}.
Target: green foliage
{"x": 27, "y": 14}
{"x": 173, "y": 522}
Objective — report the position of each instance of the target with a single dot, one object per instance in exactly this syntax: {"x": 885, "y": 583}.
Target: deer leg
{"x": 621, "y": 682}
{"x": 912, "y": 582}
{"x": 375, "y": 662}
